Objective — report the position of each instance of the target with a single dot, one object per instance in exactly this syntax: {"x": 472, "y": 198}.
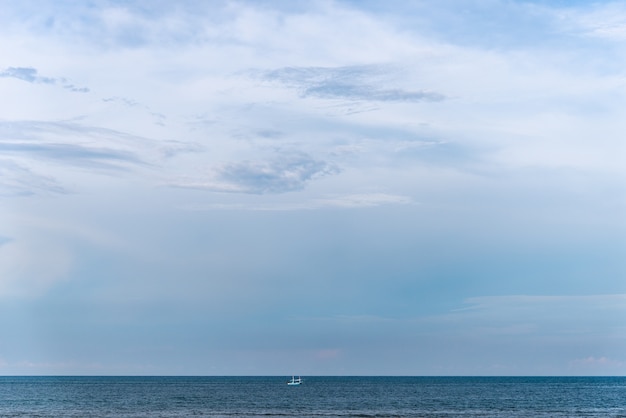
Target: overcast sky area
{"x": 315, "y": 187}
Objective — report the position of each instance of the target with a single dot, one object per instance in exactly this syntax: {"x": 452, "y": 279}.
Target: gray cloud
{"x": 31, "y": 75}
{"x": 352, "y": 83}
{"x": 270, "y": 134}
{"x": 275, "y": 176}
{"x": 27, "y": 74}
{"x": 363, "y": 92}
{"x": 289, "y": 173}
{"x": 73, "y": 88}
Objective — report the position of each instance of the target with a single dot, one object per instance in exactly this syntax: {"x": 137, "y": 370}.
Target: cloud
{"x": 270, "y": 134}
{"x": 285, "y": 174}
{"x": 350, "y": 83}
{"x": 117, "y": 25}
{"x": 330, "y": 90}
{"x": 31, "y": 75}
{"x": 592, "y": 361}
{"x": 97, "y": 157}
{"x": 606, "y": 21}
{"x": 73, "y": 88}
{"x": 513, "y": 302}
{"x": 36, "y": 153}
{"x": 483, "y": 169}
{"x": 27, "y": 74}
{"x": 128, "y": 102}
{"x": 363, "y": 200}
{"x": 80, "y": 144}
{"x": 570, "y": 316}
{"x": 17, "y": 180}
{"x": 158, "y": 118}
{"x": 351, "y": 201}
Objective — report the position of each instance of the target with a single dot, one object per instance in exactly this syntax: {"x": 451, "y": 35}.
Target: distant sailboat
{"x": 294, "y": 381}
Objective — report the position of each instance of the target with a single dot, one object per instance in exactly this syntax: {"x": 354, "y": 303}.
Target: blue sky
{"x": 319, "y": 188}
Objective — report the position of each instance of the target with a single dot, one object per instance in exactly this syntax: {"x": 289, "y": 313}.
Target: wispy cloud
{"x": 286, "y": 174}
{"x": 518, "y": 301}
{"x": 366, "y": 319}
{"x": 349, "y": 83}
{"x": 539, "y": 314}
{"x": 607, "y": 21}
{"x": 75, "y": 89}
{"x": 17, "y": 180}
{"x": 593, "y": 361}
{"x": 124, "y": 100}
{"x": 34, "y": 151}
{"x": 159, "y": 118}
{"x": 352, "y": 201}
{"x": 363, "y": 200}
{"x": 73, "y": 141}
{"x": 100, "y": 157}
{"x": 31, "y": 75}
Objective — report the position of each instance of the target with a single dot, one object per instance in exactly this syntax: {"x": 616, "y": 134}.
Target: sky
{"x": 312, "y": 187}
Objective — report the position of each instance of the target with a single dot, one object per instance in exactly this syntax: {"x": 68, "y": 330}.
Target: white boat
{"x": 294, "y": 381}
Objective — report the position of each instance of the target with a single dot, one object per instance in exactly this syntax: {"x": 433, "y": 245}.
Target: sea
{"x": 317, "y": 397}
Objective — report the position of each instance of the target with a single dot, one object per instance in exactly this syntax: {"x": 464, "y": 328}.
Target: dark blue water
{"x": 316, "y": 397}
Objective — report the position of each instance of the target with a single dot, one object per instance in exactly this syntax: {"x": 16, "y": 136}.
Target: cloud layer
{"x": 349, "y": 83}
{"x": 335, "y": 187}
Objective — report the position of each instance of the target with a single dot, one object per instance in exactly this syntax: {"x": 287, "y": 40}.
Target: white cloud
{"x": 605, "y": 20}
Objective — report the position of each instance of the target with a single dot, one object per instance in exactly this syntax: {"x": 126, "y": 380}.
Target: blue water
{"x": 316, "y": 397}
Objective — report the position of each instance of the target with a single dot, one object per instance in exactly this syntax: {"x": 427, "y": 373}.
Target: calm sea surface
{"x": 316, "y": 397}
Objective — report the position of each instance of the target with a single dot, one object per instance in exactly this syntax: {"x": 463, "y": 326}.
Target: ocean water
{"x": 316, "y": 397}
